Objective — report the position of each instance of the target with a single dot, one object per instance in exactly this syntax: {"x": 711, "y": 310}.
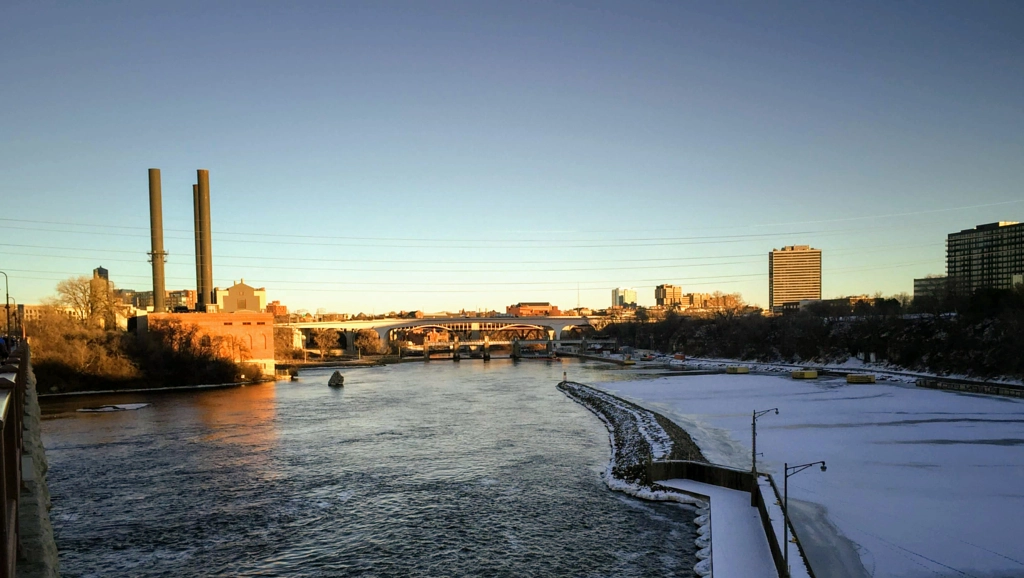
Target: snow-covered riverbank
{"x": 919, "y": 482}
{"x": 636, "y": 436}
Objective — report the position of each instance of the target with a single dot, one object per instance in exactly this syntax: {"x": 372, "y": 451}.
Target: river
{"x": 435, "y": 469}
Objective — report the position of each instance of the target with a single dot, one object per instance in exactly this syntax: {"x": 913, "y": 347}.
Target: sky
{"x": 385, "y": 156}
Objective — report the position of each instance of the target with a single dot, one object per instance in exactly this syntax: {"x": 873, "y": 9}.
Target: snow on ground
{"x": 739, "y": 546}
{"x": 883, "y": 371}
{"x": 925, "y": 482}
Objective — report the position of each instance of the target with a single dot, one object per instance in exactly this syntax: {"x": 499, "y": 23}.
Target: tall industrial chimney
{"x": 156, "y": 231}
{"x": 203, "y": 178}
{"x": 199, "y": 248}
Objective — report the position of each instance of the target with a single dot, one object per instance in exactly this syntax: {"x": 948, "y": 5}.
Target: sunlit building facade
{"x": 794, "y": 274}
{"x": 623, "y": 297}
{"x": 668, "y": 295}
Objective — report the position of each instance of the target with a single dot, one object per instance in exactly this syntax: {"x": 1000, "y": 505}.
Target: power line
{"x": 745, "y": 227}
{"x": 422, "y": 243}
{"x": 220, "y": 258}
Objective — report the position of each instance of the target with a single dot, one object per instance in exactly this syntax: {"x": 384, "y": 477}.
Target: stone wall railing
{"x": 27, "y": 548}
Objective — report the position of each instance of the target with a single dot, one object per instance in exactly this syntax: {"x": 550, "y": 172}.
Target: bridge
{"x": 482, "y": 347}
{"x": 504, "y": 329}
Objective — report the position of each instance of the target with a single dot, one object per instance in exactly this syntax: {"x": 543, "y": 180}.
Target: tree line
{"x": 980, "y": 335}
{"x": 77, "y": 345}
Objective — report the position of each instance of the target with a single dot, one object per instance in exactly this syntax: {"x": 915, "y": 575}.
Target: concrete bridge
{"x": 482, "y": 347}
{"x": 473, "y": 328}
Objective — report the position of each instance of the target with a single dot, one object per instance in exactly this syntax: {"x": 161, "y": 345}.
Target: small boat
{"x": 336, "y": 380}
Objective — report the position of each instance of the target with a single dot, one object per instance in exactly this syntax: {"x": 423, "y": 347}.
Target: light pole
{"x": 753, "y": 450}
{"x": 17, "y": 320}
{"x": 7, "y": 304}
{"x": 790, "y": 471}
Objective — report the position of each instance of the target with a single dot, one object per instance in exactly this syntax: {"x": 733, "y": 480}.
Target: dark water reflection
{"x": 441, "y": 469}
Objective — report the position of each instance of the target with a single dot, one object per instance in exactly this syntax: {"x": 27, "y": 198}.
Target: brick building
{"x": 247, "y": 337}
{"x": 536, "y": 309}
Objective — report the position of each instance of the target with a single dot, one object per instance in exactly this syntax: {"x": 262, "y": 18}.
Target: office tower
{"x": 623, "y": 297}
{"x": 794, "y": 273}
{"x": 986, "y": 257}
{"x": 668, "y": 295}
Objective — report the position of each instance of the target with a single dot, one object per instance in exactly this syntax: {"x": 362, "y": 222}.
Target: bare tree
{"x": 325, "y": 339}
{"x": 368, "y": 341}
{"x": 75, "y": 295}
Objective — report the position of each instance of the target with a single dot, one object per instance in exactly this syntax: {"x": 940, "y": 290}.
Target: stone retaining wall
{"x": 38, "y": 550}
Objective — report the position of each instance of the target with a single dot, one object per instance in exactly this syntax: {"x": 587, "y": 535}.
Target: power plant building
{"x": 794, "y": 274}
{"x": 986, "y": 257}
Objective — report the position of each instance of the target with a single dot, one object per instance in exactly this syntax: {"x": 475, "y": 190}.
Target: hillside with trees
{"x": 981, "y": 335}
{"x": 77, "y": 345}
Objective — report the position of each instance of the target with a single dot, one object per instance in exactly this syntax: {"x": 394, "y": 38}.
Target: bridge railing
{"x": 13, "y": 379}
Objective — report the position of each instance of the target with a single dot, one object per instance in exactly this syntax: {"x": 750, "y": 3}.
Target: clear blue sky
{"x": 446, "y": 155}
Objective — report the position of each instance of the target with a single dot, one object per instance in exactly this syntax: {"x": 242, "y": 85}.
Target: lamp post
{"x": 791, "y": 471}
{"x": 753, "y": 450}
{"x": 17, "y": 320}
{"x": 7, "y": 304}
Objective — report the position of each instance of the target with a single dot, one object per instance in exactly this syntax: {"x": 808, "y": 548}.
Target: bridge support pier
{"x": 426, "y": 350}
{"x": 517, "y": 350}
{"x": 455, "y": 350}
{"x": 487, "y": 348}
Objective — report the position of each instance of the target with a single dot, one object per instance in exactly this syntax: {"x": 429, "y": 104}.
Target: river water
{"x": 437, "y": 469}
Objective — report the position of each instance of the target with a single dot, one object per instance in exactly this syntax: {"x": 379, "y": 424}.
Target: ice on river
{"x": 115, "y": 407}
{"x": 924, "y": 482}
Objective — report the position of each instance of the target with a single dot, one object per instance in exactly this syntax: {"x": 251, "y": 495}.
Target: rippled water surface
{"x": 436, "y": 469}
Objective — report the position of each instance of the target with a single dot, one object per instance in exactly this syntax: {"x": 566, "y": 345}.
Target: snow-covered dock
{"x": 739, "y": 545}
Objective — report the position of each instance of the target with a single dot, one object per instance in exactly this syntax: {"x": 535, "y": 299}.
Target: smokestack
{"x": 156, "y": 230}
{"x": 199, "y": 248}
{"x": 203, "y": 178}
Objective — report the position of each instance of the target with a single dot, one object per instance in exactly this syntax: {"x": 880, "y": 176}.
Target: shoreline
{"x": 637, "y": 434}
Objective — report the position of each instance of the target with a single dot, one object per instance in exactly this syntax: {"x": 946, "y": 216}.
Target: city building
{"x": 181, "y": 298}
{"x": 623, "y": 297}
{"x": 241, "y": 297}
{"x": 143, "y": 300}
{"x": 536, "y": 309}
{"x": 986, "y": 257}
{"x": 794, "y": 274}
{"x": 838, "y": 306}
{"x": 275, "y": 308}
{"x": 668, "y": 295}
{"x": 931, "y": 286}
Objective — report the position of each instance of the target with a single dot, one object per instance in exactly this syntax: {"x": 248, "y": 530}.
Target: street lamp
{"x": 7, "y": 304}
{"x": 790, "y": 471}
{"x": 753, "y": 450}
{"x": 17, "y": 320}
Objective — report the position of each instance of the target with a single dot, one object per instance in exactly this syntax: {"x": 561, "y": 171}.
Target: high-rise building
{"x": 794, "y": 273}
{"x": 668, "y": 295}
{"x": 623, "y": 297}
{"x": 986, "y": 257}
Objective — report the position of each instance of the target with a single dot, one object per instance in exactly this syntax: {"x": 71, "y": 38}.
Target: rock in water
{"x": 336, "y": 380}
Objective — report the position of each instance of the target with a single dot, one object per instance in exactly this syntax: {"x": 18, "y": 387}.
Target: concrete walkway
{"x": 739, "y": 547}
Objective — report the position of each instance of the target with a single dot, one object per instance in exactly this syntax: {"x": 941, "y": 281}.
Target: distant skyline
{"x": 449, "y": 155}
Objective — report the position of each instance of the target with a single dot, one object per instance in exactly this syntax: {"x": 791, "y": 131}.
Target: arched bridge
{"x": 545, "y": 328}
